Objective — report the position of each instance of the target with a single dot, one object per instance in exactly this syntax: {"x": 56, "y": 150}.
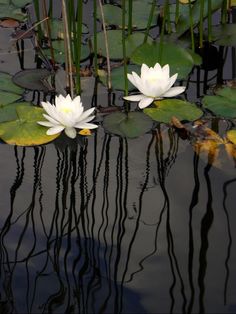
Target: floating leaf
{"x": 34, "y": 79}
{"x": 140, "y": 14}
{"x": 115, "y": 43}
{"x": 224, "y": 34}
{"x": 231, "y": 135}
{"x": 7, "y": 85}
{"x": 8, "y": 112}
{"x": 8, "y": 97}
{"x": 168, "y": 108}
{"x": 179, "y": 59}
{"x": 131, "y": 125}
{"x": 11, "y": 11}
{"x": 9, "y": 23}
{"x": 59, "y": 51}
{"x": 20, "y": 3}
{"x": 117, "y": 77}
{"x": 222, "y": 104}
{"x": 25, "y": 131}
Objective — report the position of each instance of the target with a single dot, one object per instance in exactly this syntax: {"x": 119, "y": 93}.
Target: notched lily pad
{"x": 222, "y": 104}
{"x": 8, "y": 97}
{"x": 130, "y": 125}
{"x": 34, "y": 79}
{"x": 25, "y": 131}
{"x": 7, "y": 85}
{"x": 168, "y": 108}
{"x": 8, "y": 112}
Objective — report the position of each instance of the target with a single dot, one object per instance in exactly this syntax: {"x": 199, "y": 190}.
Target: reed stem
{"x": 191, "y": 25}
{"x": 176, "y": 12}
{"x": 209, "y": 21}
{"x": 48, "y": 31}
{"x": 150, "y": 18}
{"x": 201, "y": 23}
{"x": 124, "y": 49}
{"x": 68, "y": 59}
{"x": 106, "y": 46}
{"x": 78, "y": 43}
{"x": 95, "y": 46}
{"x": 130, "y": 21}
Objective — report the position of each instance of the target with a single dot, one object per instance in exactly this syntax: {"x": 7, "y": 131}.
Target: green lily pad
{"x": 222, "y": 104}
{"x": 168, "y": 108}
{"x": 184, "y": 21}
{"x": 231, "y": 135}
{"x": 34, "y": 79}
{"x": 7, "y": 85}
{"x": 59, "y": 51}
{"x": 25, "y": 131}
{"x": 57, "y": 29}
{"x": 224, "y": 34}
{"x": 21, "y": 3}
{"x": 8, "y": 97}
{"x": 179, "y": 59}
{"x": 115, "y": 43}
{"x": 140, "y": 13}
{"x": 117, "y": 77}
{"x": 131, "y": 125}
{"x": 8, "y": 112}
{"x": 9, "y": 10}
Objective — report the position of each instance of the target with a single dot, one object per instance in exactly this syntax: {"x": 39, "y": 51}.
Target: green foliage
{"x": 118, "y": 78}
{"x": 130, "y": 125}
{"x": 8, "y": 10}
{"x": 222, "y": 104}
{"x": 179, "y": 59}
{"x": 115, "y": 43}
{"x": 24, "y": 130}
{"x": 140, "y": 14}
{"x": 168, "y": 108}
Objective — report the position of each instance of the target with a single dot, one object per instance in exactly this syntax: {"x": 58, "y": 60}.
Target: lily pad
{"x": 59, "y": 51}
{"x": 7, "y": 85}
{"x": 25, "y": 131}
{"x": 34, "y": 79}
{"x": 11, "y": 11}
{"x": 8, "y": 112}
{"x": 168, "y": 108}
{"x": 130, "y": 125}
{"x": 20, "y": 3}
{"x": 8, "y": 97}
{"x": 115, "y": 43}
{"x": 117, "y": 77}
{"x": 57, "y": 29}
{"x": 184, "y": 21}
{"x": 224, "y": 34}
{"x": 231, "y": 135}
{"x": 222, "y": 104}
{"x": 140, "y": 13}
{"x": 179, "y": 59}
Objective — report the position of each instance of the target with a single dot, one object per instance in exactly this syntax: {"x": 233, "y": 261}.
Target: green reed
{"x": 130, "y": 21}
{"x": 95, "y": 58}
{"x": 78, "y": 43}
{"x": 224, "y": 12}
{"x": 191, "y": 25}
{"x": 124, "y": 47}
{"x": 176, "y": 11}
{"x": 150, "y": 18}
{"x": 201, "y": 23}
{"x": 209, "y": 21}
{"x": 37, "y": 13}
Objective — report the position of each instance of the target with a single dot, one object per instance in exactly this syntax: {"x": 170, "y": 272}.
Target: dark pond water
{"x": 112, "y": 225}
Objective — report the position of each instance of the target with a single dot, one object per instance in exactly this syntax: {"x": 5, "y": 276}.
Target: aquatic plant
{"x": 154, "y": 83}
{"x": 68, "y": 115}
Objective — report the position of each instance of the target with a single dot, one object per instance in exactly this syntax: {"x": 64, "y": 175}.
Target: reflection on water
{"x": 116, "y": 226}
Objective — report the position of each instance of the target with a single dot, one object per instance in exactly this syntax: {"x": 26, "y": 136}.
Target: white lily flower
{"x": 67, "y": 114}
{"x": 154, "y": 83}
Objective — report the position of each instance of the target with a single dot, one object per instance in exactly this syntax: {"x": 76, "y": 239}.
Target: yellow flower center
{"x": 66, "y": 109}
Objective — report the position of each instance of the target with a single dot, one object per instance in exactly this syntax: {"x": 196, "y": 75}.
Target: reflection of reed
{"x": 225, "y": 187}
{"x": 194, "y": 202}
{"x": 162, "y": 165}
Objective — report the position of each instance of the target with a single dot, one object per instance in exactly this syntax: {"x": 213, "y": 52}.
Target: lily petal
{"x": 46, "y": 123}
{"x": 174, "y": 91}
{"x": 85, "y": 125}
{"x": 145, "y": 102}
{"x": 55, "y": 130}
{"x": 134, "y": 97}
{"x": 70, "y": 132}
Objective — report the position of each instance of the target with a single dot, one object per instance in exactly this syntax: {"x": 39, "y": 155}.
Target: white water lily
{"x": 67, "y": 114}
{"x": 154, "y": 83}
